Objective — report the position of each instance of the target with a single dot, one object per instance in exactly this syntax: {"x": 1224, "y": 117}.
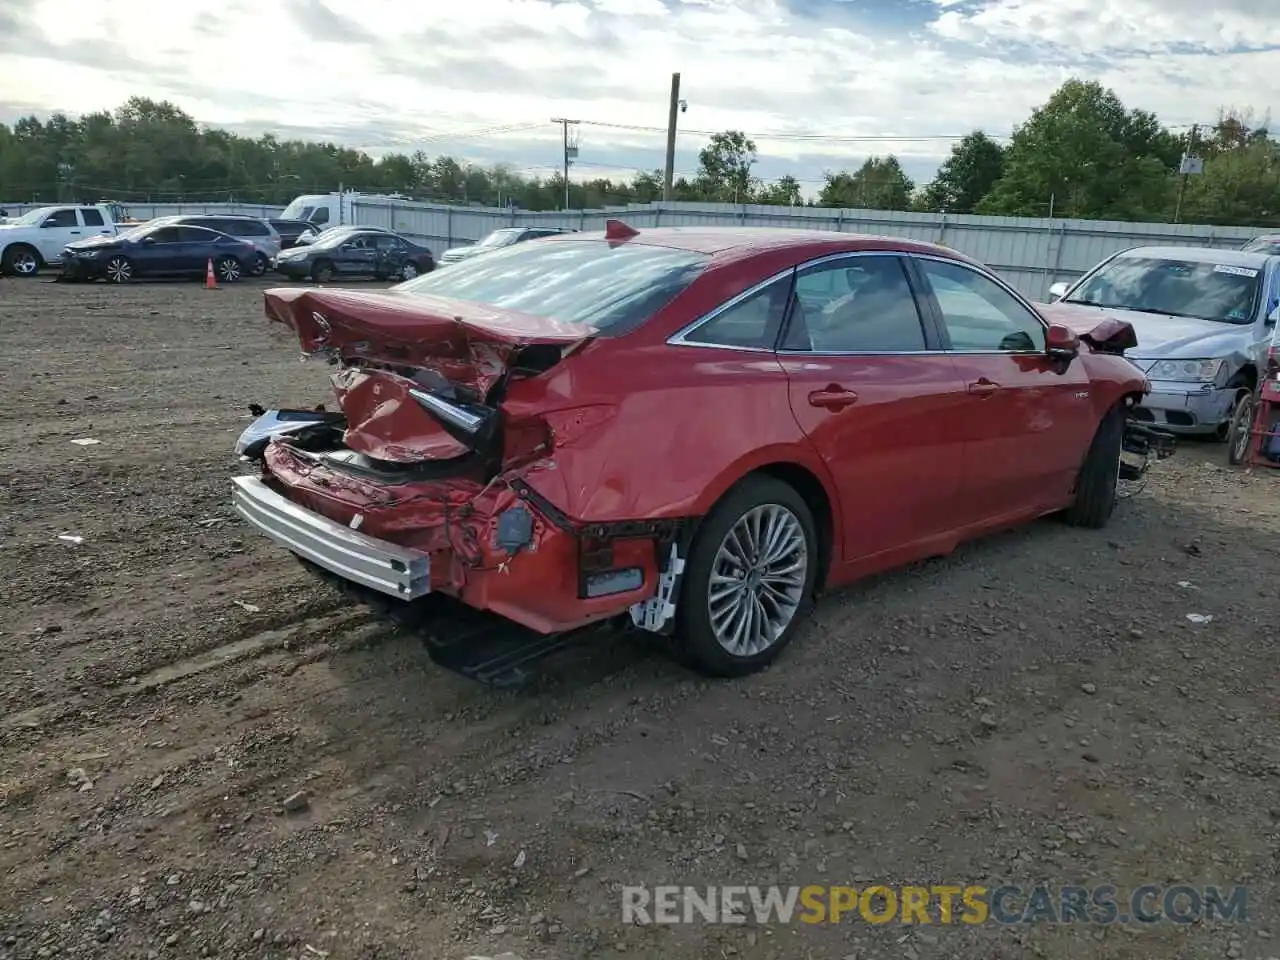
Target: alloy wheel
{"x": 119, "y": 270}
{"x": 24, "y": 263}
{"x": 409, "y": 271}
{"x": 228, "y": 270}
{"x": 757, "y": 580}
{"x": 1241, "y": 428}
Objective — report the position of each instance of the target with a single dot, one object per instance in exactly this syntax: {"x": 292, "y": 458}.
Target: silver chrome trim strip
{"x": 680, "y": 337}
{"x": 390, "y": 569}
{"x": 443, "y": 408}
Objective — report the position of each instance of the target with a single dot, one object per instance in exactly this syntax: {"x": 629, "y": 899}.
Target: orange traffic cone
{"x": 210, "y": 281}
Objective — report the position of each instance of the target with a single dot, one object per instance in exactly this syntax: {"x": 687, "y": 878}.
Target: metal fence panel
{"x": 1030, "y": 253}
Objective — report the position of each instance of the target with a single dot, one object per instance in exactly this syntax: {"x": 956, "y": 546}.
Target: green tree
{"x": 1085, "y": 155}
{"x": 783, "y": 192}
{"x": 1241, "y": 179}
{"x": 724, "y": 167}
{"x": 968, "y": 175}
{"x": 879, "y": 184}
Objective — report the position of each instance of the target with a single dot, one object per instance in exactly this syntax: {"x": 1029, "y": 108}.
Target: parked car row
{"x": 42, "y": 238}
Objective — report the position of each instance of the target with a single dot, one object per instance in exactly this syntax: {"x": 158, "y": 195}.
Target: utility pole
{"x": 570, "y": 154}
{"x": 1190, "y": 164}
{"x": 673, "y": 114}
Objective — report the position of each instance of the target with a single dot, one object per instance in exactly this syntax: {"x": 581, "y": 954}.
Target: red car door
{"x": 880, "y": 403}
{"x": 1028, "y": 424}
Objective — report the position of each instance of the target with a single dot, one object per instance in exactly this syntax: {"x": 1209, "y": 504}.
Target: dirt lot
{"x": 1037, "y": 708}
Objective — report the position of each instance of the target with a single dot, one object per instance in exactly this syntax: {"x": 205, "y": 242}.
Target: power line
{"x": 819, "y": 137}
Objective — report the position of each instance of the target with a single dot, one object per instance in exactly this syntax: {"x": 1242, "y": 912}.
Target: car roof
{"x": 242, "y": 217}
{"x": 1230, "y": 258}
{"x": 732, "y": 243}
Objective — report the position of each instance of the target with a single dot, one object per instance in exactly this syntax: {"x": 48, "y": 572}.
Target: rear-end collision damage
{"x": 438, "y": 476}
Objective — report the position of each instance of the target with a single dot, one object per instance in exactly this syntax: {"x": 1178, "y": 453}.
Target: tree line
{"x": 1082, "y": 154}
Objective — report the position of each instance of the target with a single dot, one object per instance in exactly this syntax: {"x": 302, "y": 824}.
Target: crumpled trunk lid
{"x": 419, "y": 374}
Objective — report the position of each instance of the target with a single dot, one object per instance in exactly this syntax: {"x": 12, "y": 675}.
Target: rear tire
{"x": 259, "y": 265}
{"x": 228, "y": 270}
{"x": 118, "y": 270}
{"x": 777, "y": 592}
{"x": 1099, "y": 475}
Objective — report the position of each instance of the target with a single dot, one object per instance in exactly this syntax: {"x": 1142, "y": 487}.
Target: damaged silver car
{"x": 1203, "y": 319}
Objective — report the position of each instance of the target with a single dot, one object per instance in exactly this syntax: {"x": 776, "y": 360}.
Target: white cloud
{"x": 394, "y": 74}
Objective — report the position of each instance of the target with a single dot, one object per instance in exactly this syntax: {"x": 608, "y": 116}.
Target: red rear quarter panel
{"x": 659, "y": 431}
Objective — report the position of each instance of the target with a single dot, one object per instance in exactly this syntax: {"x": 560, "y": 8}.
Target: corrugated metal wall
{"x": 1031, "y": 254}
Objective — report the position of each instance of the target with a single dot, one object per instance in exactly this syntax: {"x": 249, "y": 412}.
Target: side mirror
{"x": 148, "y": 239}
{"x": 1061, "y": 343}
{"x": 1274, "y": 315}
{"x": 1057, "y": 290}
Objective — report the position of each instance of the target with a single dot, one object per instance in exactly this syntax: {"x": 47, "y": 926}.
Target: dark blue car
{"x": 160, "y": 250}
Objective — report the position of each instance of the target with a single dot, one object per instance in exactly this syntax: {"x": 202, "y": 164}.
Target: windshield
{"x": 584, "y": 281}
{"x": 327, "y": 239}
{"x": 32, "y": 217}
{"x": 499, "y": 238}
{"x": 300, "y": 209}
{"x": 1270, "y": 245}
{"x": 1226, "y": 293}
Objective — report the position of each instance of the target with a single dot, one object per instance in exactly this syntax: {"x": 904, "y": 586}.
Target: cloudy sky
{"x": 819, "y": 84}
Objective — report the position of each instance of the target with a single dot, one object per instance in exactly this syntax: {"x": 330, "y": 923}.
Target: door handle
{"x": 75, "y": 233}
{"x": 834, "y": 397}
{"x": 983, "y": 387}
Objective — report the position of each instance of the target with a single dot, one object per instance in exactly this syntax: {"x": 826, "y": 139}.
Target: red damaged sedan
{"x": 691, "y": 429}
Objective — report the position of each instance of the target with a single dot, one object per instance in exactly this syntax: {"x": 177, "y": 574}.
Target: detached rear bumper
{"x": 1144, "y": 444}
{"x": 376, "y": 564}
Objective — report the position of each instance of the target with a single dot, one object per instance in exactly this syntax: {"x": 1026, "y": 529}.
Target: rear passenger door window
{"x": 860, "y": 304}
{"x": 751, "y": 323}
{"x": 978, "y": 314}
{"x": 91, "y": 217}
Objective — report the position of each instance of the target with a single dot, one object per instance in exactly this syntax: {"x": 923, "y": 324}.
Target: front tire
{"x": 1099, "y": 475}
{"x": 118, "y": 270}
{"x": 750, "y": 579}
{"x": 322, "y": 272}
{"x": 1240, "y": 433}
{"x": 21, "y": 261}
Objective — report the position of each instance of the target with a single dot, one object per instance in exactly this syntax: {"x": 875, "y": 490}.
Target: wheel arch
{"x": 1245, "y": 376}
{"x": 806, "y": 476}
{"x": 22, "y": 245}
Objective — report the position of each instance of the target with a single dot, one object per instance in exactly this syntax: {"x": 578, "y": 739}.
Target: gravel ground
{"x": 206, "y": 752}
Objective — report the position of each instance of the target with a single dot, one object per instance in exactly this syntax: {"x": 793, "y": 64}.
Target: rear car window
{"x": 613, "y": 289}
